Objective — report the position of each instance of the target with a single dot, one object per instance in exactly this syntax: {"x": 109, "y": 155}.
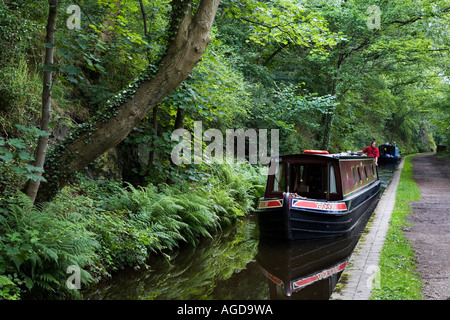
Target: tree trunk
{"x": 179, "y": 120}
{"x": 151, "y": 155}
{"x": 327, "y": 118}
{"x": 144, "y": 16}
{"x": 41, "y": 151}
{"x": 191, "y": 35}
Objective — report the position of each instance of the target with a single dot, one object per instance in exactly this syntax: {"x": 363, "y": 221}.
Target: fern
{"x": 40, "y": 244}
{"x": 108, "y": 233}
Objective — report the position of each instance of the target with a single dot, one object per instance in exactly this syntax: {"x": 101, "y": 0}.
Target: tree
{"x": 41, "y": 150}
{"x": 373, "y": 71}
{"x": 189, "y": 36}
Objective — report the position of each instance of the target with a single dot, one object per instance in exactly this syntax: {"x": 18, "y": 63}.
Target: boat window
{"x": 359, "y": 175}
{"x": 332, "y": 180}
{"x": 310, "y": 180}
{"x": 365, "y": 173}
{"x": 354, "y": 176}
{"x": 279, "y": 183}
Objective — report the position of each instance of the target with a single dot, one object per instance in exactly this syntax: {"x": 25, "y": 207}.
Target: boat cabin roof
{"x": 321, "y": 175}
{"x": 322, "y": 157}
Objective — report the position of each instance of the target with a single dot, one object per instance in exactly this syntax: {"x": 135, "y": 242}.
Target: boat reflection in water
{"x": 308, "y": 269}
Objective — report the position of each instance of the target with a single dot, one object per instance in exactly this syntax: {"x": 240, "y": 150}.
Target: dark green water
{"x": 236, "y": 265}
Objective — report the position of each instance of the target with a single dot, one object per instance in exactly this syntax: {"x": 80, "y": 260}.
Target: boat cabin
{"x": 319, "y": 175}
{"x": 315, "y": 195}
{"x": 389, "y": 153}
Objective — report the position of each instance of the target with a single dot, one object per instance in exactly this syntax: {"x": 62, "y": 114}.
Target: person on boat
{"x": 372, "y": 151}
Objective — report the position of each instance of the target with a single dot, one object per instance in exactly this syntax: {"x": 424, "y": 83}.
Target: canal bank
{"x": 358, "y": 279}
{"x": 236, "y": 264}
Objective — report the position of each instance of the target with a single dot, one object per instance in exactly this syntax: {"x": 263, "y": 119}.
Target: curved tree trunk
{"x": 112, "y": 125}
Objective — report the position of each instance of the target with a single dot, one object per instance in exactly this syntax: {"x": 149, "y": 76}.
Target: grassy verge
{"x": 399, "y": 279}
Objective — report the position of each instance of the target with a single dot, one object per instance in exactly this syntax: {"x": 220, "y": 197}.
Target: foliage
{"x": 102, "y": 227}
{"x": 123, "y": 242}
{"x": 179, "y": 212}
{"x": 37, "y": 246}
{"x": 312, "y": 69}
{"x": 8, "y": 289}
{"x": 14, "y": 156}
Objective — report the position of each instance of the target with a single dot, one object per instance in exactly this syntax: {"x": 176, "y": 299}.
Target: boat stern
{"x": 273, "y": 218}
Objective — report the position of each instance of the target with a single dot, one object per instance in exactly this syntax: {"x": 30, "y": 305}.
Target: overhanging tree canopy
{"x": 190, "y": 26}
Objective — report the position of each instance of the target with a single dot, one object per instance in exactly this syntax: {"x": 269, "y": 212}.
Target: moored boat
{"x": 317, "y": 195}
{"x": 389, "y": 153}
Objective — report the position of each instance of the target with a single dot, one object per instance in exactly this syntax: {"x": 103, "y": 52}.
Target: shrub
{"x": 37, "y": 247}
{"x": 102, "y": 227}
{"x": 123, "y": 242}
{"x": 170, "y": 215}
{"x": 8, "y": 289}
{"x": 187, "y": 212}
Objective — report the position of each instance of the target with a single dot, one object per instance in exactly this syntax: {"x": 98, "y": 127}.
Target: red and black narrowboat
{"x": 317, "y": 195}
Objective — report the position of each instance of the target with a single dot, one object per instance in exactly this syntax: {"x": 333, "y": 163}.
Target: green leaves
{"x": 282, "y": 22}
{"x": 8, "y": 288}
{"x": 84, "y": 47}
{"x": 16, "y": 143}
{"x": 37, "y": 246}
{"x": 15, "y": 152}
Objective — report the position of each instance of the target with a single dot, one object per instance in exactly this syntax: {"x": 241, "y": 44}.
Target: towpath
{"x": 363, "y": 265}
{"x": 429, "y": 234}
{"x": 430, "y": 230}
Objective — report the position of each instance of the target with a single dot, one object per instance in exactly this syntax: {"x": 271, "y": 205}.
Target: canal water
{"x": 236, "y": 265}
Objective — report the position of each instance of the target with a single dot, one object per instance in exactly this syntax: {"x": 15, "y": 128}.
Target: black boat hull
{"x": 289, "y": 223}
{"x": 388, "y": 160}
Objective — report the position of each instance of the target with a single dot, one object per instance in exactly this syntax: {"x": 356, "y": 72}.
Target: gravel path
{"x": 430, "y": 230}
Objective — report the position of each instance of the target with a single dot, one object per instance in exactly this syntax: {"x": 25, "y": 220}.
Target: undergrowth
{"x": 102, "y": 227}
{"x": 37, "y": 247}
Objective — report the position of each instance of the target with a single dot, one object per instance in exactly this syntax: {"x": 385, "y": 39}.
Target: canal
{"x": 236, "y": 265}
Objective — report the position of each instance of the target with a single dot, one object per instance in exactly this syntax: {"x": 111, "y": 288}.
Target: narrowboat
{"x": 317, "y": 195}
{"x": 389, "y": 154}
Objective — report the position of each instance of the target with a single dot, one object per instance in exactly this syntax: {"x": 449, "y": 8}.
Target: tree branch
{"x": 266, "y": 62}
{"x": 412, "y": 20}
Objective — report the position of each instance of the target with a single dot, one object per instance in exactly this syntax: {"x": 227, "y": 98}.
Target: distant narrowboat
{"x": 317, "y": 195}
{"x": 389, "y": 154}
